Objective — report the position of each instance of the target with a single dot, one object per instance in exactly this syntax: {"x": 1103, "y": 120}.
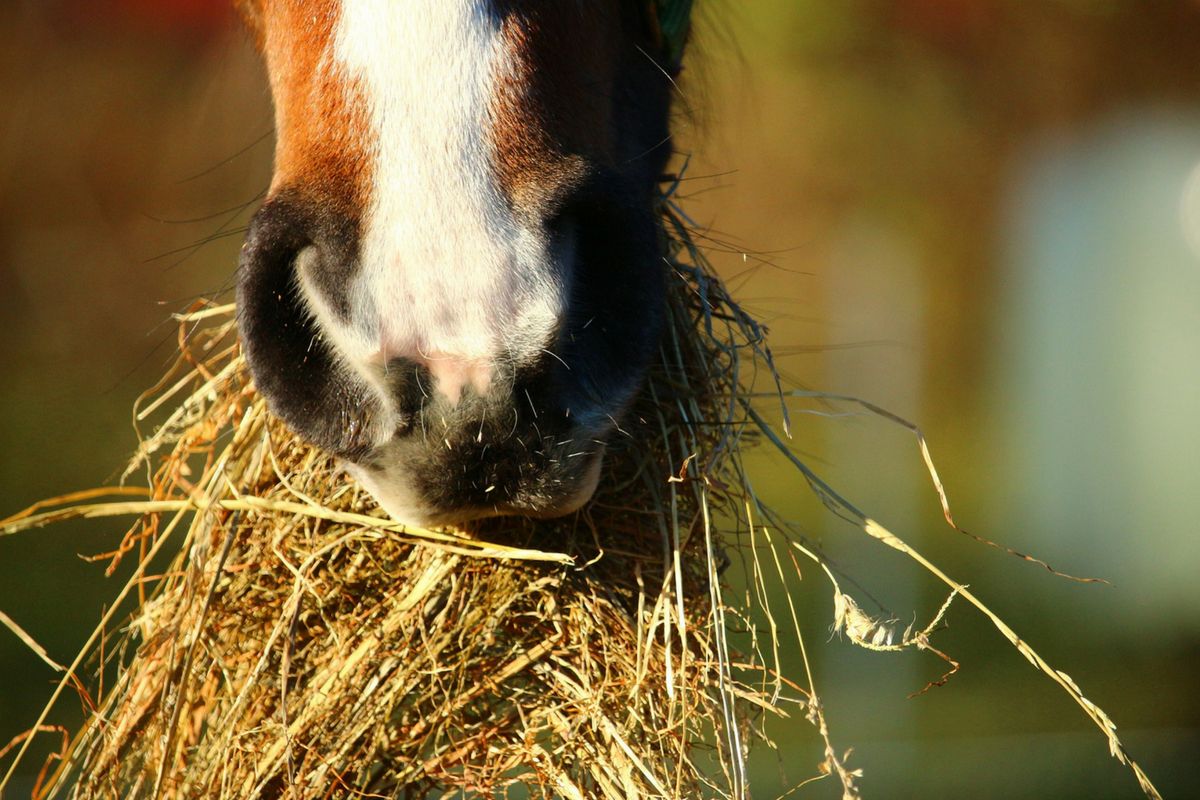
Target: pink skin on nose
{"x": 451, "y": 370}
{"x": 450, "y": 373}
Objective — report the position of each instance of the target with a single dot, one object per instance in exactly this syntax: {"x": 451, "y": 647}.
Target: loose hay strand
{"x": 877, "y": 531}
{"x": 30, "y": 642}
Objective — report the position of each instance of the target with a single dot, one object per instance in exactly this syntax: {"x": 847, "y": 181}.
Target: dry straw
{"x": 279, "y": 637}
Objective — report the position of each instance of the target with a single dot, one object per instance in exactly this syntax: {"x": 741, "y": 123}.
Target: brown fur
{"x": 552, "y": 112}
{"x": 320, "y": 115}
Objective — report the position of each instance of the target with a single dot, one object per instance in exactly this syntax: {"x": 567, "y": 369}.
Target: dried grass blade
{"x": 877, "y": 531}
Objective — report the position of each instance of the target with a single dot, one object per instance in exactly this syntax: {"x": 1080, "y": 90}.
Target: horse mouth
{"x": 431, "y": 490}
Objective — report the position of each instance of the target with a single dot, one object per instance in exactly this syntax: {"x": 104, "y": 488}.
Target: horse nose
{"x": 457, "y": 401}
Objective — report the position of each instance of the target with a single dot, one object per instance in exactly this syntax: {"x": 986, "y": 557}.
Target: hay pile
{"x": 288, "y": 640}
{"x": 299, "y": 644}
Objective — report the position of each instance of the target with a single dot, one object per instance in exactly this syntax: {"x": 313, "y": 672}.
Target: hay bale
{"x": 300, "y": 644}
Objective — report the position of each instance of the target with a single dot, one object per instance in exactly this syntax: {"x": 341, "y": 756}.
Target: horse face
{"x": 455, "y": 283}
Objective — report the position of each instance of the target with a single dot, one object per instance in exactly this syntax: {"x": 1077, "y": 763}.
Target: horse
{"x": 456, "y": 282}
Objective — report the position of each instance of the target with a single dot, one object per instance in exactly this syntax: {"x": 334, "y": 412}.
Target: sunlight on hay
{"x": 288, "y": 640}
{"x": 298, "y": 639}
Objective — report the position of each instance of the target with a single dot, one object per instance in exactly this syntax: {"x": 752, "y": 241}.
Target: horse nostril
{"x": 293, "y": 367}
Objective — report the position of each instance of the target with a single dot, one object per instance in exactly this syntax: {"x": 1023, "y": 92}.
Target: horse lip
{"x": 404, "y": 505}
{"x": 584, "y": 493}
{"x": 574, "y": 502}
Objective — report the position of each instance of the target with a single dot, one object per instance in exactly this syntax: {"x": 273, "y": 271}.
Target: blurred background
{"x": 983, "y": 215}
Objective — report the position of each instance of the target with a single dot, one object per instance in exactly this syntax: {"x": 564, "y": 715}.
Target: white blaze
{"x": 448, "y": 276}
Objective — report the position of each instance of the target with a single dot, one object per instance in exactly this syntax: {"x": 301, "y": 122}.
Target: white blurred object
{"x": 1097, "y": 369}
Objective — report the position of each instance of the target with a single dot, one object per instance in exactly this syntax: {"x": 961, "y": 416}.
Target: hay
{"x": 299, "y": 644}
